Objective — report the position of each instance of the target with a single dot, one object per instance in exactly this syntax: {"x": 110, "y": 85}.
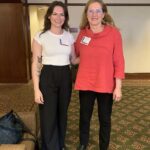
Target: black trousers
{"x": 105, "y": 101}
{"x": 56, "y": 86}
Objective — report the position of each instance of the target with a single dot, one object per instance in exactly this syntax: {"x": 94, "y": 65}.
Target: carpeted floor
{"x": 130, "y": 117}
{"x": 130, "y": 121}
{"x": 16, "y": 96}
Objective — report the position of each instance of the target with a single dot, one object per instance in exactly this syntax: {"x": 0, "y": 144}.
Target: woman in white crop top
{"x": 53, "y": 49}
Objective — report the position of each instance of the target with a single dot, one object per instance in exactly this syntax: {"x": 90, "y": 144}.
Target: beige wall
{"x": 84, "y": 1}
{"x": 42, "y": 1}
{"x": 134, "y": 25}
{"x": 36, "y": 19}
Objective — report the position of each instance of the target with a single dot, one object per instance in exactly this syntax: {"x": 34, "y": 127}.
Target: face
{"x": 95, "y": 14}
{"x": 57, "y": 18}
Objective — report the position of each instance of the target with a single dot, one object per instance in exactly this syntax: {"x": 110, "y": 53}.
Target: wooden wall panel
{"x": 13, "y": 44}
{"x": 13, "y": 1}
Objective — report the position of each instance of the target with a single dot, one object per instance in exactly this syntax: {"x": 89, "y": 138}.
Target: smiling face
{"x": 57, "y": 18}
{"x": 95, "y": 14}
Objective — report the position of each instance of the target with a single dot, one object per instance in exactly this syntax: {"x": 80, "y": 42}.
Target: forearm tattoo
{"x": 39, "y": 65}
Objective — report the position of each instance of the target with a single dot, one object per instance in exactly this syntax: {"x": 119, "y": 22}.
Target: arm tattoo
{"x": 39, "y": 59}
{"x": 39, "y": 65}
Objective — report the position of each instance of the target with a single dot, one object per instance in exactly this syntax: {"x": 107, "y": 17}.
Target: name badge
{"x": 85, "y": 40}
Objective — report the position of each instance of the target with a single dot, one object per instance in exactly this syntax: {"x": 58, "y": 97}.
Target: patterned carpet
{"x": 16, "y": 96}
{"x": 130, "y": 121}
{"x": 130, "y": 117}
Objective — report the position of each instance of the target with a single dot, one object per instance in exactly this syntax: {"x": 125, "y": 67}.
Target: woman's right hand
{"x": 38, "y": 97}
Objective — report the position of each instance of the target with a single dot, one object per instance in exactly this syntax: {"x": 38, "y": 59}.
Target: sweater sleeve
{"x": 118, "y": 56}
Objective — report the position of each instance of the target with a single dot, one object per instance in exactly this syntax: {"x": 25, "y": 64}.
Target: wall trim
{"x": 112, "y": 4}
{"x": 13, "y": 1}
{"x": 137, "y": 76}
{"x": 108, "y": 4}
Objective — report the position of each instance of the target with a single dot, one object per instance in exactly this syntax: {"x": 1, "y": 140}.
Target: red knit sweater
{"x": 101, "y": 60}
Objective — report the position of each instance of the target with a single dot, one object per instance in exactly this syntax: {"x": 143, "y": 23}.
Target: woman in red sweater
{"x": 100, "y": 72}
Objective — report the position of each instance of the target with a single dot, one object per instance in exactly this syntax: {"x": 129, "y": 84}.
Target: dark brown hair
{"x": 47, "y": 22}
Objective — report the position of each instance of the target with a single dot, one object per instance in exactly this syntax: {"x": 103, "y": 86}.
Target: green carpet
{"x": 130, "y": 117}
{"x": 16, "y": 96}
{"x": 130, "y": 122}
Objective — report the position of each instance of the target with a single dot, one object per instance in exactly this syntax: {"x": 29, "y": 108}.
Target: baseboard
{"x": 144, "y": 76}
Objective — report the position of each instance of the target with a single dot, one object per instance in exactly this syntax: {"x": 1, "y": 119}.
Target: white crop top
{"x": 56, "y": 49}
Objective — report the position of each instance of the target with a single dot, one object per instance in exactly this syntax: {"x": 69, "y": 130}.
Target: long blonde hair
{"x": 107, "y": 20}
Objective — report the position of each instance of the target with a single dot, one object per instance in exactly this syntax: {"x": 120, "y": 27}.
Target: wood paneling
{"x": 13, "y": 1}
{"x": 14, "y": 49}
{"x": 145, "y": 76}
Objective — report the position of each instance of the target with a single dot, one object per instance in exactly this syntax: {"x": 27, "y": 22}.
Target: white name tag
{"x": 85, "y": 40}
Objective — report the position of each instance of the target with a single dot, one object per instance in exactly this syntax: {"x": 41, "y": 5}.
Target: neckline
{"x": 97, "y": 33}
{"x": 105, "y": 31}
{"x": 103, "y": 28}
{"x": 57, "y": 35}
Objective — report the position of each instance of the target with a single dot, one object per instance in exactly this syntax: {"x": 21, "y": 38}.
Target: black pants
{"x": 56, "y": 86}
{"x": 105, "y": 101}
